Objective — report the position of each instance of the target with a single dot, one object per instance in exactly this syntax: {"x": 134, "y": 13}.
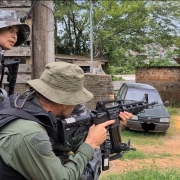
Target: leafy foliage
{"x": 121, "y": 30}
{"x": 71, "y": 27}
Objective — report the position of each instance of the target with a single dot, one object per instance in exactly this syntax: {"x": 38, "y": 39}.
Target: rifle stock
{"x": 74, "y": 126}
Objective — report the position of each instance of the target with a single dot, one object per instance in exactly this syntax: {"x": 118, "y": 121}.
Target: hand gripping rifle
{"x": 74, "y": 126}
{"x": 12, "y": 70}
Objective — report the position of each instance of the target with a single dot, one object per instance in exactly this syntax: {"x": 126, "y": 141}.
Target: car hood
{"x": 158, "y": 110}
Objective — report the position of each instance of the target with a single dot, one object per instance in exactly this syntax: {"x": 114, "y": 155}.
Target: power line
{"x": 31, "y": 9}
{"x": 29, "y": 12}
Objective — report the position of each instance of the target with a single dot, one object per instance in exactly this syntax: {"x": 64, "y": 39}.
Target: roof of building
{"x": 76, "y": 57}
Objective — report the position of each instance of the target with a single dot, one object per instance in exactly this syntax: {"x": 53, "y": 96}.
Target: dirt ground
{"x": 170, "y": 145}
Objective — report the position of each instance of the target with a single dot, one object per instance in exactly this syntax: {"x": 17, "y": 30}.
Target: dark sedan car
{"x": 154, "y": 119}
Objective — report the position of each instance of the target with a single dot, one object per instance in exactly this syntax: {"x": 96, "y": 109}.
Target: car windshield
{"x": 138, "y": 94}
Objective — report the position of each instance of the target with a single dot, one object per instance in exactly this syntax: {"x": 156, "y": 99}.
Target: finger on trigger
{"x": 107, "y": 123}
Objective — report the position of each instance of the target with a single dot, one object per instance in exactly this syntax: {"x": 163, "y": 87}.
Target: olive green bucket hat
{"x": 11, "y": 18}
{"x": 62, "y": 83}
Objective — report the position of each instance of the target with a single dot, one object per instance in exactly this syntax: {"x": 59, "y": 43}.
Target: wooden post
{"x": 42, "y": 36}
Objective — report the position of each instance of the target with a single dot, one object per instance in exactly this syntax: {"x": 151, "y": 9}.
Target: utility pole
{"x": 42, "y": 36}
{"x": 91, "y": 38}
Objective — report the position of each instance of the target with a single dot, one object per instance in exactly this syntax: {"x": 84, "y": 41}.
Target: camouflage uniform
{"x": 93, "y": 168}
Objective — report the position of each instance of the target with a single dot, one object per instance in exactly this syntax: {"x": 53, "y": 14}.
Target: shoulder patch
{"x": 42, "y": 144}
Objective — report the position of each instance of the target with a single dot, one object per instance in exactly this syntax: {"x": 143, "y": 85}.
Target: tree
{"x": 120, "y": 28}
{"x": 73, "y": 23}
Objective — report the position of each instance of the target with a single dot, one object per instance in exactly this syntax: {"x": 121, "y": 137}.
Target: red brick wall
{"x": 165, "y": 79}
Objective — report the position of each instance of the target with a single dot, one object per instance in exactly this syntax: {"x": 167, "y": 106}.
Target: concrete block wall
{"x": 165, "y": 79}
{"x": 101, "y": 86}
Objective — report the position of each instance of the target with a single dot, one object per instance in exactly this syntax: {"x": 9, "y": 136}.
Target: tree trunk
{"x": 43, "y": 37}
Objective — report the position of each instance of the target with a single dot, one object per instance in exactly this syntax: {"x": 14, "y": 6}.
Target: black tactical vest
{"x": 92, "y": 170}
{"x": 6, "y": 172}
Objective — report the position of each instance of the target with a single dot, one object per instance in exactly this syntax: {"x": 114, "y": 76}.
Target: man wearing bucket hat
{"x": 12, "y": 31}
{"x": 26, "y": 146}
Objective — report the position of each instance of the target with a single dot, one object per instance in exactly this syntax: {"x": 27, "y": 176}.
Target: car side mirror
{"x": 166, "y": 103}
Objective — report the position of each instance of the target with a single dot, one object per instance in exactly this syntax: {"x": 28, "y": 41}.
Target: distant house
{"x": 99, "y": 65}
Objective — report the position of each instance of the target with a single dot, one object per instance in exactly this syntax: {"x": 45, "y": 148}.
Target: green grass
{"x": 146, "y": 174}
{"x": 178, "y": 155}
{"x": 173, "y": 111}
{"x": 163, "y": 155}
{"x": 172, "y": 121}
{"x": 131, "y": 155}
{"x": 142, "y": 138}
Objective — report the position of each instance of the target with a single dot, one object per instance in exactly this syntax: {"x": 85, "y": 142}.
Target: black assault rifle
{"x": 111, "y": 149}
{"x": 12, "y": 70}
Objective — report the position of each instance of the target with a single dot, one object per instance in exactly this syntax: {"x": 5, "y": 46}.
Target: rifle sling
{"x": 22, "y": 114}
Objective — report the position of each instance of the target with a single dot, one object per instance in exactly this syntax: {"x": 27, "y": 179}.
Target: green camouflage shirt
{"x": 25, "y": 146}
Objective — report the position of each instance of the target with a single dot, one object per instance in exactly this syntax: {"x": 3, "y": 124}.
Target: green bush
{"x": 114, "y": 78}
{"x": 175, "y": 104}
{"x": 173, "y": 111}
{"x": 112, "y": 69}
